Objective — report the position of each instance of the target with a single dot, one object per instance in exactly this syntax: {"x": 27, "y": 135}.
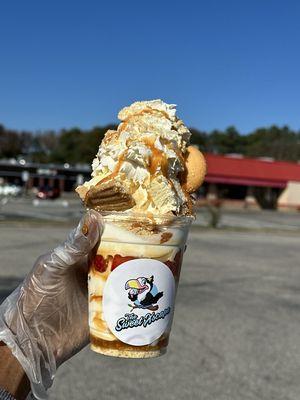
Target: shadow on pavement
{"x": 7, "y": 285}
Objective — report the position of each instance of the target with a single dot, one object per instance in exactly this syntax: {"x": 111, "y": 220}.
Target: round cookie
{"x": 195, "y": 169}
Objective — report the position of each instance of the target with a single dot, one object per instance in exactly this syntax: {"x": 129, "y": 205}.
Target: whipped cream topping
{"x": 145, "y": 153}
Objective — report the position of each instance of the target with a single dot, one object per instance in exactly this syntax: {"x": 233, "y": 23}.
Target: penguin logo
{"x": 143, "y": 293}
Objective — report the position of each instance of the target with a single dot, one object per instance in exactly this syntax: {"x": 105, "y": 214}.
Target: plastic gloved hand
{"x": 45, "y": 320}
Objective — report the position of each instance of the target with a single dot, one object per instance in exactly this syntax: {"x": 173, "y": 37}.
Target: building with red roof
{"x": 238, "y": 170}
{"x": 237, "y": 177}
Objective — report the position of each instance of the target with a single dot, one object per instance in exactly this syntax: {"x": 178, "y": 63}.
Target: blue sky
{"x": 76, "y": 63}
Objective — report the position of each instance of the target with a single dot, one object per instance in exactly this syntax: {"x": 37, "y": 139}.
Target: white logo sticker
{"x": 138, "y": 301}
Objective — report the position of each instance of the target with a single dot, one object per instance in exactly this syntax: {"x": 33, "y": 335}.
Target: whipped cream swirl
{"x": 146, "y": 153}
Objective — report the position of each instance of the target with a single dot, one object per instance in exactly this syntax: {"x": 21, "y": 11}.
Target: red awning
{"x": 250, "y": 172}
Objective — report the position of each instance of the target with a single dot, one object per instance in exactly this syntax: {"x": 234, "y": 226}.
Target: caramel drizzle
{"x": 110, "y": 135}
{"x": 123, "y": 125}
{"x": 95, "y": 297}
{"x": 148, "y": 110}
{"x": 158, "y": 159}
{"x": 116, "y": 169}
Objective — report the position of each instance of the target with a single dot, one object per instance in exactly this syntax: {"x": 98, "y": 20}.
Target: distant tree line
{"x": 280, "y": 143}
{"x": 79, "y": 146}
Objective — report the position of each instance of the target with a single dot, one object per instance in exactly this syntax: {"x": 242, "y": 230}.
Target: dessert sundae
{"x": 142, "y": 179}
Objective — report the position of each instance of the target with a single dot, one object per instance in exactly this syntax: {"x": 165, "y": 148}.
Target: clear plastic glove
{"x": 45, "y": 320}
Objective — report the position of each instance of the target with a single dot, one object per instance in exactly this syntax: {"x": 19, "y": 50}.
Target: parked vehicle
{"x": 10, "y": 190}
{"x": 48, "y": 192}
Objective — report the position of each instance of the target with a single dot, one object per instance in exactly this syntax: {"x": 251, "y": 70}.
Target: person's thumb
{"x": 81, "y": 241}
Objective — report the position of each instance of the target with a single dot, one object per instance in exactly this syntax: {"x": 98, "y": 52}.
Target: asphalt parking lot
{"x": 237, "y": 320}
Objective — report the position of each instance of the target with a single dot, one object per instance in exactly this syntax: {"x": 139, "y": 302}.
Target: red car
{"x": 47, "y": 192}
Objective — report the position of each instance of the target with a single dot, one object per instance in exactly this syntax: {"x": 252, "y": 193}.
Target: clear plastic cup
{"x": 132, "y": 284}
